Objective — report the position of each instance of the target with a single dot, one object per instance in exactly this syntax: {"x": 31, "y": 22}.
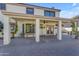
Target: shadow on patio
{"x": 43, "y": 39}
{"x": 31, "y": 40}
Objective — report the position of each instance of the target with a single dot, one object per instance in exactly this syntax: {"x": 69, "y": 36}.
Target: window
{"x": 30, "y": 11}
{"x": 2, "y": 6}
{"x": 30, "y": 28}
{"x": 49, "y": 13}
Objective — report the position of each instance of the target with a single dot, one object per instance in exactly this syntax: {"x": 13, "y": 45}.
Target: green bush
{"x": 16, "y": 29}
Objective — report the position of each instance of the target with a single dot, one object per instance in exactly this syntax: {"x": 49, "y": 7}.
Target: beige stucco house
{"x": 31, "y": 20}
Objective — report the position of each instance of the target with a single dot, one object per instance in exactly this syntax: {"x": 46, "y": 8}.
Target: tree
{"x": 76, "y": 18}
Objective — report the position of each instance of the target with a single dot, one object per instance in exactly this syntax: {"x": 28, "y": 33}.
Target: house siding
{"x": 16, "y": 9}
{"x": 21, "y": 9}
{"x": 38, "y": 12}
{"x": 57, "y": 14}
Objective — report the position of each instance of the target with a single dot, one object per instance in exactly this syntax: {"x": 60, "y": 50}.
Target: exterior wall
{"x": 67, "y": 27}
{"x": 19, "y": 29}
{"x": 14, "y": 8}
{"x": 20, "y": 9}
{"x": 42, "y": 31}
{"x": 38, "y": 12}
{"x": 57, "y": 14}
{"x": 55, "y": 30}
{"x": 67, "y": 24}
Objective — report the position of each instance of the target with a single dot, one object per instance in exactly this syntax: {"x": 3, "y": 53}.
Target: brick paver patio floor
{"x": 47, "y": 47}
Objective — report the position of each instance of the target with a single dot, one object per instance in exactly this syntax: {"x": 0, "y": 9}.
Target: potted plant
{"x": 74, "y": 30}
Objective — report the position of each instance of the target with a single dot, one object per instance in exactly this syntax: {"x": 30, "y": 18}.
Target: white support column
{"x": 37, "y": 30}
{"x": 59, "y": 30}
{"x": 6, "y": 31}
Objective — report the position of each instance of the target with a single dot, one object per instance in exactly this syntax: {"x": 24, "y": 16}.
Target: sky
{"x": 68, "y": 10}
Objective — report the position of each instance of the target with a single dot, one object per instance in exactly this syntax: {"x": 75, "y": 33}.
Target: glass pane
{"x": 27, "y": 28}
{"x": 49, "y": 13}
{"x": 30, "y": 11}
{"x": 46, "y": 13}
{"x": 30, "y": 28}
{"x": 2, "y": 6}
{"x": 52, "y": 14}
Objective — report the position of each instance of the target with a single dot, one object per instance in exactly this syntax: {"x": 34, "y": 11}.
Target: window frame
{"x": 32, "y": 10}
{"x": 50, "y": 13}
{"x": 2, "y": 6}
{"x": 31, "y": 28}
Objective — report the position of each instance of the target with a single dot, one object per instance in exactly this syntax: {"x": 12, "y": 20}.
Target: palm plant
{"x": 75, "y": 29}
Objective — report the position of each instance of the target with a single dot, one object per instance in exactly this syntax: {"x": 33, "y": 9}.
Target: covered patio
{"x": 37, "y": 20}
